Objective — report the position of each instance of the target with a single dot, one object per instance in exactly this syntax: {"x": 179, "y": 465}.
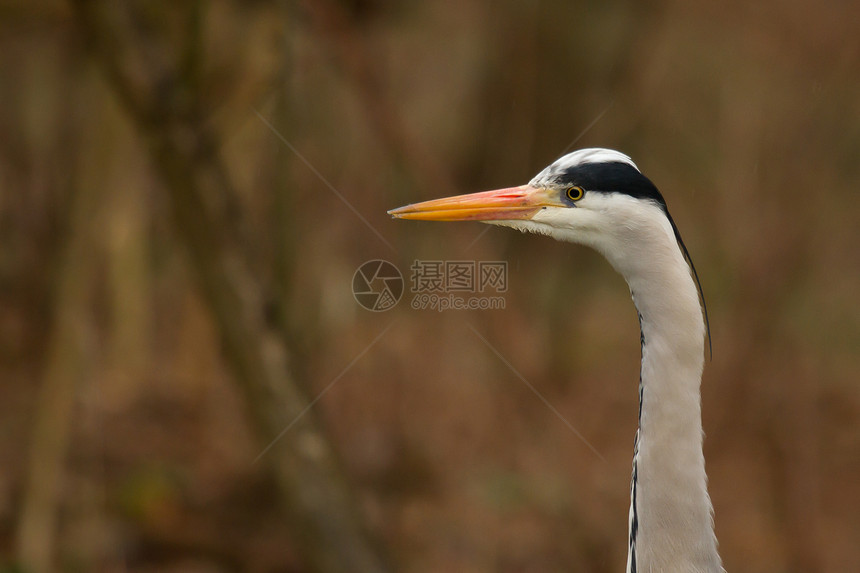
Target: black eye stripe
{"x": 611, "y": 177}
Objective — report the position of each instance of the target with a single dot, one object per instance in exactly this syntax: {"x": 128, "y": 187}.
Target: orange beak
{"x": 501, "y": 204}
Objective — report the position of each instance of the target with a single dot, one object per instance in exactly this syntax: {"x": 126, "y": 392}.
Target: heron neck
{"x": 671, "y": 517}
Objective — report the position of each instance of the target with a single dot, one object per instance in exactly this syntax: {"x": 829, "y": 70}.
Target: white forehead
{"x": 581, "y": 157}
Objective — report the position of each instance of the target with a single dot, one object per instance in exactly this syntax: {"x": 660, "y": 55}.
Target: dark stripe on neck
{"x": 641, "y": 361}
{"x": 634, "y": 520}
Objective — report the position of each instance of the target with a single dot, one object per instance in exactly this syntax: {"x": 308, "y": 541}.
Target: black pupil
{"x": 574, "y": 193}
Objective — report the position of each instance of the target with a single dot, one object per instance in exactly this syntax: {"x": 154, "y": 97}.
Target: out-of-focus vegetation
{"x": 186, "y": 190}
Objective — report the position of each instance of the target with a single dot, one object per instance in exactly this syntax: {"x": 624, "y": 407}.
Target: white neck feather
{"x": 672, "y": 526}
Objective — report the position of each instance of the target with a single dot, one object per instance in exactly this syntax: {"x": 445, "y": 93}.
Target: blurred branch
{"x": 66, "y": 366}
{"x": 283, "y": 221}
{"x": 163, "y": 103}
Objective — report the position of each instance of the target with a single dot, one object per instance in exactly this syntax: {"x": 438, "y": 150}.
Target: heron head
{"x": 597, "y": 197}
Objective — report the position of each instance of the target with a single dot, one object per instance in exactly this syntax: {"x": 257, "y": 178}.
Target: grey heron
{"x": 599, "y": 198}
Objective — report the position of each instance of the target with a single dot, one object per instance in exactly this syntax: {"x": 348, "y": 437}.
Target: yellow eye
{"x": 575, "y": 193}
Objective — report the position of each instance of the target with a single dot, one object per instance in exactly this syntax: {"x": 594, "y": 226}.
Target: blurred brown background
{"x": 186, "y": 190}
